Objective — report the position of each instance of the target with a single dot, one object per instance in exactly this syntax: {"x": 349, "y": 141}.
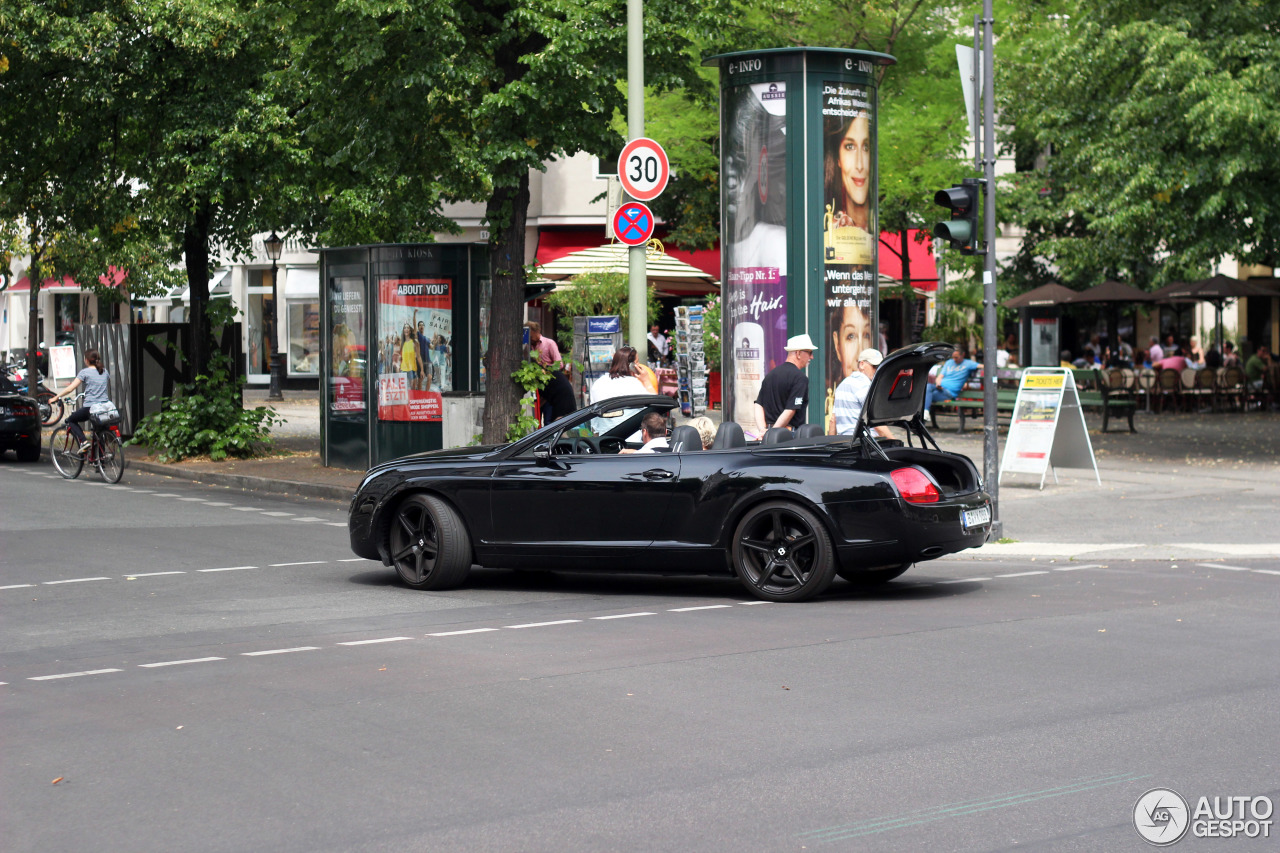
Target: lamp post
{"x": 274, "y": 246}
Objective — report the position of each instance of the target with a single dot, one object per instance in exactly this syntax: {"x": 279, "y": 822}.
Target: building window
{"x": 304, "y": 337}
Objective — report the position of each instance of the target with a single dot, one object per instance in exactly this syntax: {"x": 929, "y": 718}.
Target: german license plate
{"x": 975, "y": 517}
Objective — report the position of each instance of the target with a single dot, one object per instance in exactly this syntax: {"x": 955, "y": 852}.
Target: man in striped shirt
{"x": 851, "y": 394}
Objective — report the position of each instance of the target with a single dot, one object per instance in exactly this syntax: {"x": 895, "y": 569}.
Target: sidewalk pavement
{"x": 1185, "y": 486}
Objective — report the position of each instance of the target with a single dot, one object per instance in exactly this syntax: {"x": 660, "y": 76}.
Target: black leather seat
{"x": 809, "y": 431}
{"x": 729, "y": 435}
{"x": 778, "y": 435}
{"x": 684, "y": 439}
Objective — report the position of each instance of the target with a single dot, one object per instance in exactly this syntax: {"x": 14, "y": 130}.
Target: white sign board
{"x": 62, "y": 362}
{"x": 1047, "y": 428}
{"x": 643, "y": 169}
{"x": 971, "y": 88}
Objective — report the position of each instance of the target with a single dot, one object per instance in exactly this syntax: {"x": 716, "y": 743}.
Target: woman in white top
{"x": 618, "y": 382}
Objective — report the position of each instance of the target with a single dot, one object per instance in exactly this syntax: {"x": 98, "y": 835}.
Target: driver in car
{"x": 653, "y": 431}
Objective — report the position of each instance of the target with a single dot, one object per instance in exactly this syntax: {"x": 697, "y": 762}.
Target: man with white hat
{"x": 851, "y": 394}
{"x": 784, "y": 393}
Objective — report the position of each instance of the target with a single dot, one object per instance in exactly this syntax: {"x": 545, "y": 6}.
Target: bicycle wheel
{"x": 110, "y": 457}
{"x": 51, "y": 408}
{"x": 65, "y": 451}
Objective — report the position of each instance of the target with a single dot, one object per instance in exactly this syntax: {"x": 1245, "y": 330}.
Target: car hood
{"x": 898, "y": 388}
{"x": 452, "y": 453}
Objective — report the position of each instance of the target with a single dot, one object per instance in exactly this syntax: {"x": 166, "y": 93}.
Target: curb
{"x": 244, "y": 482}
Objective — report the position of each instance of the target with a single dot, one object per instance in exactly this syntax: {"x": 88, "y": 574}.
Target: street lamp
{"x": 274, "y": 246}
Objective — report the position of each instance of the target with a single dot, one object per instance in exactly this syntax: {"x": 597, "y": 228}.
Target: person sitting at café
{"x": 1156, "y": 351}
{"x": 1257, "y": 368}
{"x": 1064, "y": 359}
{"x": 951, "y": 377}
{"x": 1212, "y": 358}
{"x": 1229, "y": 356}
{"x": 1194, "y": 352}
{"x": 1085, "y": 361}
{"x": 1171, "y": 362}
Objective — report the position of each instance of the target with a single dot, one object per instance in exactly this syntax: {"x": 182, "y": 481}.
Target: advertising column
{"x": 415, "y": 330}
{"x": 849, "y": 231}
{"x": 754, "y": 318}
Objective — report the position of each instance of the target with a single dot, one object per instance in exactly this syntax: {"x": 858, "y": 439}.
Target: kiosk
{"x": 406, "y": 327}
{"x": 799, "y": 221}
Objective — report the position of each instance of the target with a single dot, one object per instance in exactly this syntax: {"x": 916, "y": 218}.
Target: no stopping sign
{"x": 644, "y": 169}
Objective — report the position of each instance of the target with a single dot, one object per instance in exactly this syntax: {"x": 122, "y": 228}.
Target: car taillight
{"x": 914, "y": 486}
{"x": 23, "y": 410}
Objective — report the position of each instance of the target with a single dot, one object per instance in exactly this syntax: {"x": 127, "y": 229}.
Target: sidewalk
{"x": 1189, "y": 486}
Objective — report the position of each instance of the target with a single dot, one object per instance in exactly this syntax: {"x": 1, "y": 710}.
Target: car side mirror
{"x": 542, "y": 452}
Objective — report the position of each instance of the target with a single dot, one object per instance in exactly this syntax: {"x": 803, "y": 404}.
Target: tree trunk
{"x": 35, "y": 278}
{"x": 506, "y": 213}
{"x": 195, "y": 248}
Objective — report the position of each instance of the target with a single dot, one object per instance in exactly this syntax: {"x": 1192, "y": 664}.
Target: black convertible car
{"x": 19, "y": 422}
{"x": 786, "y": 515}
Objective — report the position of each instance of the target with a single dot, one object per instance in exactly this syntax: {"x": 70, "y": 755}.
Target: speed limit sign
{"x": 644, "y": 169}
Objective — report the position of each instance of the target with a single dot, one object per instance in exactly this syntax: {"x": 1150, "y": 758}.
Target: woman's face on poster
{"x": 851, "y": 335}
{"x": 855, "y": 161}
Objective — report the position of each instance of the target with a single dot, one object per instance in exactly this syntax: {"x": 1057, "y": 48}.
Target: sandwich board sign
{"x": 1047, "y": 428}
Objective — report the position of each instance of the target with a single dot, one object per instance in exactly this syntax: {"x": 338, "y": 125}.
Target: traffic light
{"x": 962, "y": 229}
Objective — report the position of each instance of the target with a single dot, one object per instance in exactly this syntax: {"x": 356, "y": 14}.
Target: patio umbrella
{"x": 1045, "y": 294}
{"x": 665, "y": 273}
{"x": 1217, "y": 290}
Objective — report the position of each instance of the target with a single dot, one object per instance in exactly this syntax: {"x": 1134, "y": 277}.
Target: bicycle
{"x": 105, "y": 451}
{"x": 50, "y": 406}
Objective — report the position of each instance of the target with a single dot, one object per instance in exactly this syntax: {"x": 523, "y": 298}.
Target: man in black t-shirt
{"x": 784, "y": 394}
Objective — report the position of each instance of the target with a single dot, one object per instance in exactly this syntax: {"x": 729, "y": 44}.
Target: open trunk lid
{"x": 898, "y": 388}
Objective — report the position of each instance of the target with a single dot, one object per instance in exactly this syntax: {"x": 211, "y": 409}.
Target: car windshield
{"x": 615, "y": 423}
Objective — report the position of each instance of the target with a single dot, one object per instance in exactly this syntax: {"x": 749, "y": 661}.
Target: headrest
{"x": 684, "y": 439}
{"x": 809, "y": 431}
{"x": 777, "y": 435}
{"x": 729, "y": 434}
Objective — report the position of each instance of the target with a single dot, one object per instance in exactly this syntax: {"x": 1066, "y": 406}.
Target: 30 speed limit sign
{"x": 644, "y": 169}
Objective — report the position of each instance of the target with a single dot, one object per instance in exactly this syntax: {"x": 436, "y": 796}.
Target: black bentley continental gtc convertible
{"x": 786, "y": 515}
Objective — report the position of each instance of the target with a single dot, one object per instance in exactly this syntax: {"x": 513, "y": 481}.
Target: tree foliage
{"x": 1160, "y": 120}
{"x": 594, "y": 294}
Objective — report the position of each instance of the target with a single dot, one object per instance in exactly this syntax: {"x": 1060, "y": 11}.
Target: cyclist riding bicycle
{"x": 94, "y": 379}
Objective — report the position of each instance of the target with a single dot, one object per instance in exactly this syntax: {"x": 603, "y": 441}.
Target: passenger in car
{"x": 653, "y": 431}
{"x": 706, "y": 430}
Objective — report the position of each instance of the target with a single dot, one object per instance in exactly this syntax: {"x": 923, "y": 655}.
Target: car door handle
{"x": 652, "y": 474}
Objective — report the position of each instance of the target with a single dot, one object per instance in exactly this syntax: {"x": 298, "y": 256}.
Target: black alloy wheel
{"x": 872, "y": 578}
{"x": 429, "y": 545}
{"x": 782, "y": 552}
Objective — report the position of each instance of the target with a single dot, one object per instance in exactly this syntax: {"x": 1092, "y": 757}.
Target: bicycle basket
{"x": 104, "y": 414}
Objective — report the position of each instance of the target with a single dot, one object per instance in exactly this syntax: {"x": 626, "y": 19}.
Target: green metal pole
{"x": 637, "y": 290}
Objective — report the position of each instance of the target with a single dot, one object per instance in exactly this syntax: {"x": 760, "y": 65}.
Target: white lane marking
{"x": 162, "y": 495}
{"x": 218, "y": 503}
{"x": 17, "y": 586}
{"x": 145, "y": 491}
{"x": 176, "y": 662}
{"x": 71, "y": 674}
{"x": 53, "y": 477}
{"x": 1073, "y": 568}
{"x": 371, "y": 642}
{"x": 1022, "y": 574}
{"x": 545, "y": 624}
{"x": 246, "y": 509}
{"x": 119, "y": 488}
{"x": 337, "y": 524}
{"x": 278, "y": 514}
{"x": 303, "y": 563}
{"x": 228, "y": 569}
{"x": 750, "y": 603}
{"x": 965, "y": 580}
{"x": 75, "y": 580}
{"x": 155, "y": 574}
{"x": 307, "y": 518}
{"x": 352, "y": 559}
{"x": 1221, "y": 566}
{"x": 281, "y": 651}
{"x": 703, "y": 607}
{"x": 1266, "y": 572}
{"x": 201, "y": 500}
{"x": 459, "y": 633}
{"x": 624, "y": 615}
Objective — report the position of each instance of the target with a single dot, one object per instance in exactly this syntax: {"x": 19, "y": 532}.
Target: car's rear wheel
{"x": 430, "y": 548}
{"x": 782, "y": 552}
{"x": 872, "y": 578}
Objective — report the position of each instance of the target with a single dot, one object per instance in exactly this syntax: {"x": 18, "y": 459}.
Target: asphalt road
{"x": 205, "y": 670}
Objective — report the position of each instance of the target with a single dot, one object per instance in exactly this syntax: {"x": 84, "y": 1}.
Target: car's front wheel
{"x": 429, "y": 545}
{"x": 782, "y": 552}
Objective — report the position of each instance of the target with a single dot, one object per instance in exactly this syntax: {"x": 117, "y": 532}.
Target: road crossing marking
{"x": 228, "y": 569}
{"x": 1023, "y": 574}
{"x": 177, "y": 662}
{"x": 201, "y": 500}
{"x": 303, "y": 563}
{"x": 281, "y": 651}
{"x": 625, "y": 615}
{"x": 278, "y": 514}
{"x": 155, "y": 574}
{"x": 1222, "y": 566}
{"x": 460, "y": 633}
{"x": 371, "y": 642}
{"x": 545, "y": 624}
{"x": 17, "y": 586}
{"x": 965, "y": 580}
{"x": 1266, "y": 572}
{"x": 72, "y": 674}
{"x": 703, "y": 607}
{"x": 75, "y": 580}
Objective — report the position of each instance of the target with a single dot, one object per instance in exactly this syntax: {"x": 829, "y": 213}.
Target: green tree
{"x": 1159, "y": 124}
{"x": 593, "y": 294}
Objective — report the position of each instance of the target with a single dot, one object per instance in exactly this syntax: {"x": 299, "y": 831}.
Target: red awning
{"x": 924, "y": 270}
{"x": 24, "y": 283}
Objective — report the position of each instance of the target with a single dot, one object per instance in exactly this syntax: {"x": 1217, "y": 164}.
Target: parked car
{"x": 786, "y": 515}
{"x": 19, "y": 422}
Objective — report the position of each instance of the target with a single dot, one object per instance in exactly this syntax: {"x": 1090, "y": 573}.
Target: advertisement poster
{"x": 415, "y": 343}
{"x": 754, "y": 320}
{"x": 849, "y": 230}
{"x": 350, "y": 361}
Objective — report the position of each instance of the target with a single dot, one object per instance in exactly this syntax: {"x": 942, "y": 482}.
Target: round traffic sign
{"x": 633, "y": 224}
{"x": 644, "y": 169}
